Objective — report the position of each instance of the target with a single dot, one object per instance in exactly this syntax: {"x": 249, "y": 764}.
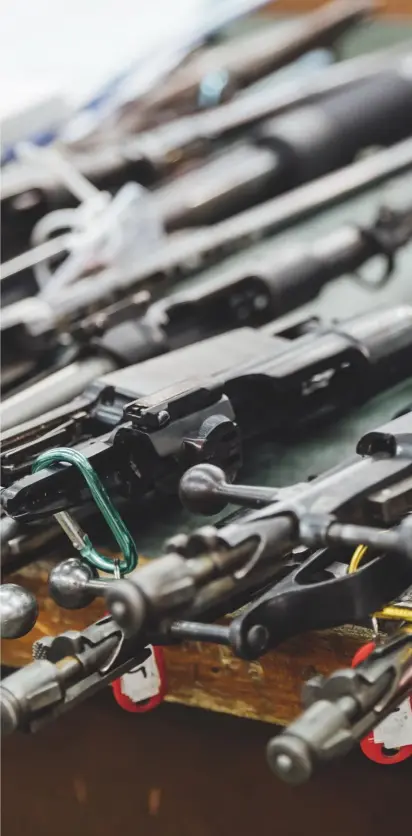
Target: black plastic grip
{"x": 314, "y": 140}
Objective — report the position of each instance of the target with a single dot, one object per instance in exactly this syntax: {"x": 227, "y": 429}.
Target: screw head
{"x": 163, "y": 418}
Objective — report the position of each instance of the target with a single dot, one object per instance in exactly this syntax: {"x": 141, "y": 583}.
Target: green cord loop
{"x": 111, "y": 515}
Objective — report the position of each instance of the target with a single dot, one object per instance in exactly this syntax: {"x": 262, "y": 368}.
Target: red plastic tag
{"x": 391, "y": 731}
{"x": 144, "y": 687}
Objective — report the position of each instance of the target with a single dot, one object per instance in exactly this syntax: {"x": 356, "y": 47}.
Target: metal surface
{"x": 58, "y": 388}
{"x": 164, "y": 148}
{"x": 277, "y": 158}
{"x": 166, "y": 588}
{"x": 18, "y": 611}
{"x": 207, "y": 246}
{"x": 246, "y": 59}
{"x": 195, "y": 631}
{"x": 342, "y": 709}
{"x": 255, "y": 292}
{"x": 204, "y": 490}
{"x": 319, "y": 594}
{"x": 294, "y": 376}
{"x": 9, "y": 529}
{"x": 68, "y": 583}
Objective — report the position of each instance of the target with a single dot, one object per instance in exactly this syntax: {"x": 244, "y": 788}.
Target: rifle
{"x": 163, "y": 151}
{"x": 277, "y": 158}
{"x": 218, "y": 73}
{"x": 28, "y": 193}
{"x": 341, "y": 709}
{"x": 142, "y": 427}
{"x": 291, "y": 149}
{"x": 257, "y": 291}
{"x": 187, "y": 254}
{"x": 203, "y": 572}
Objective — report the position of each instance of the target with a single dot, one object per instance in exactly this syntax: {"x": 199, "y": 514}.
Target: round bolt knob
{"x": 201, "y": 489}
{"x": 68, "y": 584}
{"x": 289, "y": 758}
{"x": 18, "y": 611}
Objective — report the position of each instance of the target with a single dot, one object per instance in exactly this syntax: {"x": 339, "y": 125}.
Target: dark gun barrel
{"x": 193, "y": 250}
{"x": 292, "y": 149}
{"x": 28, "y": 192}
{"x": 189, "y": 406}
{"x": 252, "y": 293}
{"x": 320, "y": 27}
{"x": 163, "y": 150}
{"x": 270, "y": 284}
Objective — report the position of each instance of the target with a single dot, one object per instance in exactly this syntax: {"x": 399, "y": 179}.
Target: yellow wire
{"x": 391, "y": 613}
{"x": 356, "y": 558}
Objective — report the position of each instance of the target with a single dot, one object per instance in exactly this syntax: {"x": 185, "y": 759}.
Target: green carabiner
{"x": 105, "y": 506}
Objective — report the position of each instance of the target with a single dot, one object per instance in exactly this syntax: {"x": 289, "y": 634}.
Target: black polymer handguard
{"x": 141, "y": 428}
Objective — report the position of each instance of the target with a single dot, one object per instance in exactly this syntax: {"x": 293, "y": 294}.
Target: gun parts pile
{"x": 104, "y": 403}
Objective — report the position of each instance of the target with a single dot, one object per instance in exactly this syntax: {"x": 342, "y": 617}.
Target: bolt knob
{"x": 68, "y": 584}
{"x": 127, "y": 606}
{"x": 289, "y": 758}
{"x": 18, "y": 611}
{"x": 201, "y": 489}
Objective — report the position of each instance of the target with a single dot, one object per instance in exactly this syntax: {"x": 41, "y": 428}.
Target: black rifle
{"x": 189, "y": 252}
{"x": 289, "y": 150}
{"x": 142, "y": 427}
{"x": 258, "y": 290}
{"x": 28, "y": 193}
{"x": 292, "y": 149}
{"x": 165, "y": 150}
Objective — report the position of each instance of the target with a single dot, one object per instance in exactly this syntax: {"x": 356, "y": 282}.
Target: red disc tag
{"x": 391, "y": 741}
{"x": 144, "y": 687}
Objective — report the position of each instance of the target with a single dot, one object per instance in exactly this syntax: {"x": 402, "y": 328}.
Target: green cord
{"x": 105, "y": 506}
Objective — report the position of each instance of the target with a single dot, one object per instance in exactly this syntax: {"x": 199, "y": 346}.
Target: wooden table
{"x": 204, "y": 675}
